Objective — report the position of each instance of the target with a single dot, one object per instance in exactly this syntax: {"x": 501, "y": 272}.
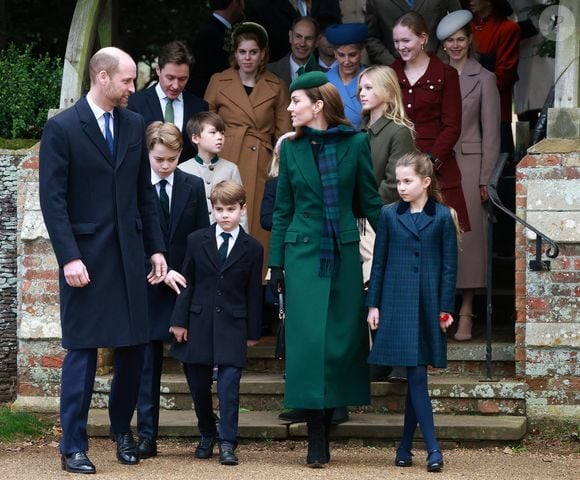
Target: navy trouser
{"x": 228, "y": 390}
{"x": 148, "y": 401}
{"x": 78, "y": 376}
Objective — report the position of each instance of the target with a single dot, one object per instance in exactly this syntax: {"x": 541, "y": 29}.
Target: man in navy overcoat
{"x": 151, "y": 103}
{"x": 100, "y": 211}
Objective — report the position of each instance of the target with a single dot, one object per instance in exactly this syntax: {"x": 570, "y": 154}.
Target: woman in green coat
{"x": 314, "y": 257}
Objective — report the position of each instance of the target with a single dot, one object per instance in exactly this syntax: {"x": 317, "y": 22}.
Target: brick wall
{"x": 547, "y": 302}
{"x": 8, "y": 343}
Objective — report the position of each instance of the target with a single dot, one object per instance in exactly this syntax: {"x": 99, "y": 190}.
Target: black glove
{"x": 276, "y": 281}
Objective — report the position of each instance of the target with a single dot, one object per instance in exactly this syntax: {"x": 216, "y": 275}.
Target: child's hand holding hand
{"x": 445, "y": 321}
{"x": 179, "y": 333}
{"x": 373, "y": 318}
{"x": 173, "y": 279}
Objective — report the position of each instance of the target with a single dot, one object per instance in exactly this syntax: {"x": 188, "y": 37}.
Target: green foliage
{"x": 16, "y": 143}
{"x": 20, "y": 425}
{"x": 30, "y": 87}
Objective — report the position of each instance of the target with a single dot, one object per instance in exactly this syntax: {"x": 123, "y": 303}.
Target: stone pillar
{"x": 8, "y": 345}
{"x": 548, "y": 302}
{"x": 39, "y": 352}
{"x": 564, "y": 118}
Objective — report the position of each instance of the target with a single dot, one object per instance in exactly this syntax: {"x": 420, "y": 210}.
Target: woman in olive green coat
{"x": 315, "y": 240}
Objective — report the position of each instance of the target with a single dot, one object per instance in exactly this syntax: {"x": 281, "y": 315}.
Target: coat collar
{"x": 210, "y": 247}
{"x": 179, "y": 196}
{"x": 304, "y": 160}
{"x": 381, "y": 123}
{"x": 404, "y": 216}
{"x": 233, "y": 90}
{"x": 91, "y": 127}
{"x": 469, "y": 77}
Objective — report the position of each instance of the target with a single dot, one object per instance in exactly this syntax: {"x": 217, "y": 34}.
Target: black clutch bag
{"x": 281, "y": 337}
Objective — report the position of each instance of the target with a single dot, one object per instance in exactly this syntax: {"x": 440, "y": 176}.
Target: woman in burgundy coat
{"x": 432, "y": 99}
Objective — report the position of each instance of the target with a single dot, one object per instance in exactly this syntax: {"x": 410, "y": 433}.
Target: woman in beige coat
{"x": 252, "y": 103}
{"x": 477, "y": 152}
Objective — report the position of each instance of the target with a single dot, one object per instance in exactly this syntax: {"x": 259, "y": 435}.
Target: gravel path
{"x": 285, "y": 460}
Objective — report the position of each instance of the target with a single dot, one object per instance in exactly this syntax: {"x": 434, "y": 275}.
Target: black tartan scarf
{"x": 328, "y": 168}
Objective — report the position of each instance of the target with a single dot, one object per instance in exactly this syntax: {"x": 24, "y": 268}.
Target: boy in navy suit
{"x": 218, "y": 315}
{"x": 182, "y": 210}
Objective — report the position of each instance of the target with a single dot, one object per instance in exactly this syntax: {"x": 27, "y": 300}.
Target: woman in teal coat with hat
{"x": 314, "y": 257}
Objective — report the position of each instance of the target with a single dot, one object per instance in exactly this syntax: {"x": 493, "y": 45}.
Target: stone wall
{"x": 8, "y": 170}
{"x": 547, "y": 302}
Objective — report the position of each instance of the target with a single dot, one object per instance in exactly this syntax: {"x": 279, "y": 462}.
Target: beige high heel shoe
{"x": 464, "y": 337}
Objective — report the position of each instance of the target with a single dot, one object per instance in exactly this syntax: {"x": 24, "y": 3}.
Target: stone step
{"x": 464, "y": 358}
{"x": 264, "y": 425}
{"x": 265, "y": 391}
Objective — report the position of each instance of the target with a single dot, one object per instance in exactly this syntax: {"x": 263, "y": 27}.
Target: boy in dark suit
{"x": 182, "y": 210}
{"x": 218, "y": 315}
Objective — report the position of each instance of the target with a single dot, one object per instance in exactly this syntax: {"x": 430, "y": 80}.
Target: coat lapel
{"x": 91, "y": 128}
{"x": 235, "y": 92}
{"x": 179, "y": 196}
{"x": 121, "y": 136}
{"x": 238, "y": 250}
{"x": 209, "y": 244}
{"x": 469, "y": 78}
{"x": 153, "y": 104}
{"x": 262, "y": 92}
{"x": 305, "y": 163}
{"x": 404, "y": 216}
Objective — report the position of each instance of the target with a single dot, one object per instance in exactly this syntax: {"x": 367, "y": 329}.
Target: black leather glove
{"x": 276, "y": 281}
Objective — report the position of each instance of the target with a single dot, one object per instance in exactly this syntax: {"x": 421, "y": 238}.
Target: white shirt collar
{"x": 293, "y": 67}
{"x": 97, "y": 111}
{"x": 163, "y": 96}
{"x": 234, "y": 233}
{"x": 155, "y": 179}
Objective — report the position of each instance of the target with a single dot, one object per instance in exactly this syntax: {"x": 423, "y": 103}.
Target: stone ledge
{"x": 36, "y": 404}
{"x": 555, "y": 145}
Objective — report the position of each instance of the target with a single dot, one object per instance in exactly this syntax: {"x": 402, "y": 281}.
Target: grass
{"x": 20, "y": 425}
{"x": 16, "y": 143}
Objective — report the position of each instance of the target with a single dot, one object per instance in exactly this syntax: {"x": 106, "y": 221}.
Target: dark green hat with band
{"x": 308, "y": 80}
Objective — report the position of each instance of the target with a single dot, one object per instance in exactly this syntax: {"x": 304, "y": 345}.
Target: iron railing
{"x": 535, "y": 265}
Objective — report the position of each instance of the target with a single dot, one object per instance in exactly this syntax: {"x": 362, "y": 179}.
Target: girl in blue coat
{"x": 412, "y": 292}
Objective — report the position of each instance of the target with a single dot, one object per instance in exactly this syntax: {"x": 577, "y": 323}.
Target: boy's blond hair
{"x": 165, "y": 133}
{"x": 228, "y": 192}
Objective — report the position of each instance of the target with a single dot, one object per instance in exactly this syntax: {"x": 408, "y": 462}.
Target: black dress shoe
{"x": 403, "y": 458}
{"x": 77, "y": 462}
{"x": 435, "y": 461}
{"x": 127, "y": 449}
{"x": 147, "y": 448}
{"x": 380, "y": 373}
{"x": 205, "y": 447}
{"x": 340, "y": 415}
{"x": 227, "y": 455}
{"x": 297, "y": 415}
{"x": 397, "y": 375}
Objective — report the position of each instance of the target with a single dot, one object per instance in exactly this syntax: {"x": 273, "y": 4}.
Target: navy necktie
{"x": 108, "y": 134}
{"x": 223, "y": 250}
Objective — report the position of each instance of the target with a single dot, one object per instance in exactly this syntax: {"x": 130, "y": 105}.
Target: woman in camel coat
{"x": 252, "y": 103}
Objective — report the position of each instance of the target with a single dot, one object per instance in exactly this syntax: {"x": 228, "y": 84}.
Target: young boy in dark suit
{"x": 182, "y": 209}
{"x": 218, "y": 315}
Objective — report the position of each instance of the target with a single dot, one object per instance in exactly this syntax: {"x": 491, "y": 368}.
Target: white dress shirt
{"x": 219, "y": 239}
{"x": 99, "y": 114}
{"x": 178, "y": 106}
{"x": 155, "y": 179}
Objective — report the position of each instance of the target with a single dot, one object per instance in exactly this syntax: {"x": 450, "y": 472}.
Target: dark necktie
{"x": 169, "y": 115}
{"x": 223, "y": 250}
{"x": 164, "y": 199}
{"x": 108, "y": 134}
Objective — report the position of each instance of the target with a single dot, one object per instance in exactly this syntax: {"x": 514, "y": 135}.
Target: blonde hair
{"x": 274, "y": 167}
{"x": 386, "y": 87}
{"x": 165, "y": 133}
{"x": 228, "y": 192}
{"x": 423, "y": 167}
